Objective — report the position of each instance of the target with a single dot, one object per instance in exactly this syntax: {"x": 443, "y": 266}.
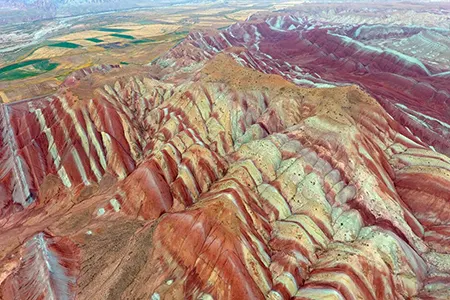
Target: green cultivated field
{"x": 65, "y": 45}
{"x": 143, "y": 41}
{"x": 123, "y": 36}
{"x": 94, "y": 40}
{"x": 26, "y": 69}
{"x": 113, "y": 29}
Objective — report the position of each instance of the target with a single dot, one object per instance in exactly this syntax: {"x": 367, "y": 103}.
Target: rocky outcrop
{"x": 204, "y": 179}
{"x": 306, "y": 52}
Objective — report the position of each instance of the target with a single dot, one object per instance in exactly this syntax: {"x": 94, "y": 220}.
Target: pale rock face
{"x": 226, "y": 183}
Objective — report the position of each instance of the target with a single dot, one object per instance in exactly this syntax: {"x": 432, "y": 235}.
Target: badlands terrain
{"x": 299, "y": 152}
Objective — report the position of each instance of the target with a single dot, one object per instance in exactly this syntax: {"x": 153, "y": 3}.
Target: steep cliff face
{"x": 202, "y": 177}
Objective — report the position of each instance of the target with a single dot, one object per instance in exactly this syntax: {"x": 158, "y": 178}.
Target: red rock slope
{"x": 385, "y": 60}
{"x": 199, "y": 178}
{"x": 218, "y": 182}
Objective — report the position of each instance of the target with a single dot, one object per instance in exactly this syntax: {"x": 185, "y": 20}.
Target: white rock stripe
{"x": 115, "y": 204}
{"x": 413, "y": 113}
{"x": 95, "y": 143}
{"x": 52, "y": 148}
{"x": 79, "y": 165}
{"x": 225, "y": 39}
{"x": 24, "y": 189}
{"x": 84, "y": 142}
{"x": 42, "y": 249}
{"x": 106, "y": 138}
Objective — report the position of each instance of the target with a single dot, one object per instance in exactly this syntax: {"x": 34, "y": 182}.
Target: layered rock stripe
{"x": 202, "y": 178}
{"x": 310, "y": 53}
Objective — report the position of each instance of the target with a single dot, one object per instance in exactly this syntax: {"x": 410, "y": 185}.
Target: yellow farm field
{"x": 141, "y": 31}
{"x": 81, "y": 35}
{"x": 206, "y": 12}
{"x": 135, "y": 30}
{"x": 175, "y": 18}
{"x": 242, "y": 15}
{"x": 49, "y": 52}
{"x": 213, "y": 21}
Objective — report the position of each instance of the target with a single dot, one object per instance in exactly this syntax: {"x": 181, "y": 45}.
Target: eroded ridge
{"x": 227, "y": 184}
{"x": 412, "y": 87}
